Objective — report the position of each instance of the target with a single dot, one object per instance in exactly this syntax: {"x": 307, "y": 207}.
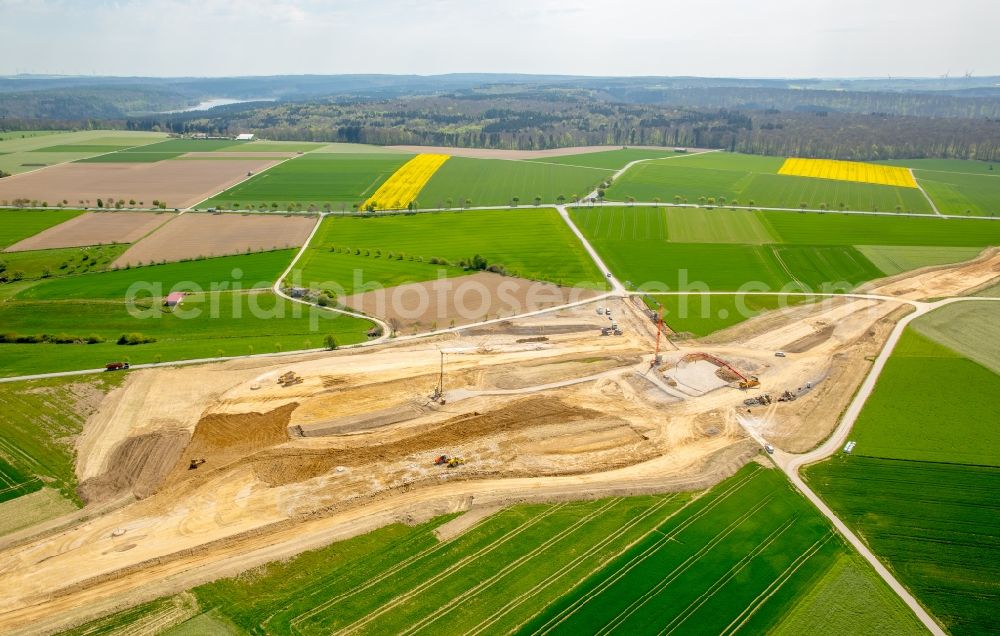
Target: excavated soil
{"x": 222, "y": 438}
{"x": 287, "y": 465}
{"x": 522, "y": 375}
{"x": 565, "y": 433}
{"x": 138, "y": 466}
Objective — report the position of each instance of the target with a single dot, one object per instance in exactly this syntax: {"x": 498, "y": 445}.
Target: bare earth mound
{"x": 94, "y": 228}
{"x": 180, "y": 184}
{"x": 194, "y": 235}
{"x": 461, "y": 301}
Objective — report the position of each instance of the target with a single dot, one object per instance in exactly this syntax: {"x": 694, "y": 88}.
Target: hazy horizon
{"x": 771, "y": 39}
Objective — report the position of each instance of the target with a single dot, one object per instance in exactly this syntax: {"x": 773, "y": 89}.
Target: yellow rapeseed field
{"x": 849, "y": 171}
{"x": 403, "y": 186}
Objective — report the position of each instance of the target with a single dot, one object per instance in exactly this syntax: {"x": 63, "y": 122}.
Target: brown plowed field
{"x": 461, "y": 301}
{"x": 180, "y": 184}
{"x": 194, "y": 235}
{"x": 495, "y": 153}
{"x": 94, "y": 228}
{"x": 216, "y": 156}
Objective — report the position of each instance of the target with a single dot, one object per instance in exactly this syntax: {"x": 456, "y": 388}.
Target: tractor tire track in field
{"x": 401, "y": 598}
{"x": 622, "y": 571}
{"x": 686, "y": 564}
{"x": 392, "y": 571}
{"x": 727, "y": 576}
{"x": 446, "y": 609}
{"x": 558, "y": 574}
{"x": 776, "y": 585}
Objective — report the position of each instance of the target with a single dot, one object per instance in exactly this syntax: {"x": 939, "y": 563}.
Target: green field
{"x": 341, "y": 180}
{"x": 89, "y": 148}
{"x": 280, "y": 146}
{"x": 355, "y": 149}
{"x": 131, "y": 157}
{"x": 946, "y": 165}
{"x": 14, "y": 483}
{"x": 669, "y": 249}
{"x": 751, "y": 180}
{"x": 498, "y": 181}
{"x": 41, "y": 419}
{"x": 344, "y": 272}
{"x": 922, "y": 486}
{"x": 895, "y": 259}
{"x": 958, "y": 186}
{"x": 534, "y": 243}
{"x": 248, "y": 270}
{"x": 16, "y": 225}
{"x": 936, "y": 525}
{"x": 43, "y": 264}
{"x": 702, "y": 314}
{"x": 971, "y": 329}
{"x": 960, "y": 193}
{"x": 20, "y": 154}
{"x": 192, "y": 145}
{"x": 858, "y": 229}
{"x": 610, "y": 160}
{"x": 738, "y": 557}
{"x": 954, "y": 419}
{"x": 850, "y": 599}
{"x": 209, "y": 325}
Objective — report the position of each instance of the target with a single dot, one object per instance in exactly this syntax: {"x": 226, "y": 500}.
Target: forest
{"x": 860, "y": 120}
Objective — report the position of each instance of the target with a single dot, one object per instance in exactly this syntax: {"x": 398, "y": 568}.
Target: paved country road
{"x": 792, "y": 463}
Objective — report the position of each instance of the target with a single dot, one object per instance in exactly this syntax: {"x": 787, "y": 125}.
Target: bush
{"x": 61, "y": 338}
{"x": 330, "y": 342}
{"x": 135, "y": 339}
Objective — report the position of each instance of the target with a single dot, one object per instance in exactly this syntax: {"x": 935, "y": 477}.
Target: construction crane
{"x": 438, "y": 394}
{"x": 659, "y": 330}
{"x": 744, "y": 381}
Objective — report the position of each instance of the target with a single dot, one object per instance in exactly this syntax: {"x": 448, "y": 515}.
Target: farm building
{"x": 173, "y": 299}
{"x": 244, "y": 137}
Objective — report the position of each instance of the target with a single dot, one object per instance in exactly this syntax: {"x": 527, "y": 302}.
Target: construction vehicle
{"x": 454, "y": 462}
{"x": 787, "y": 396}
{"x": 762, "y": 400}
{"x": 289, "y": 378}
{"x": 616, "y": 331}
{"x": 744, "y": 381}
{"x": 605, "y": 331}
{"x": 195, "y": 463}
{"x": 115, "y": 366}
{"x": 442, "y": 459}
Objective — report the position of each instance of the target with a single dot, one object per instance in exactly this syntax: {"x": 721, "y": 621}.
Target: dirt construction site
{"x": 195, "y": 473}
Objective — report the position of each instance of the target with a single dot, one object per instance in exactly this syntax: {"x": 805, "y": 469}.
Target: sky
{"x": 711, "y": 38}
